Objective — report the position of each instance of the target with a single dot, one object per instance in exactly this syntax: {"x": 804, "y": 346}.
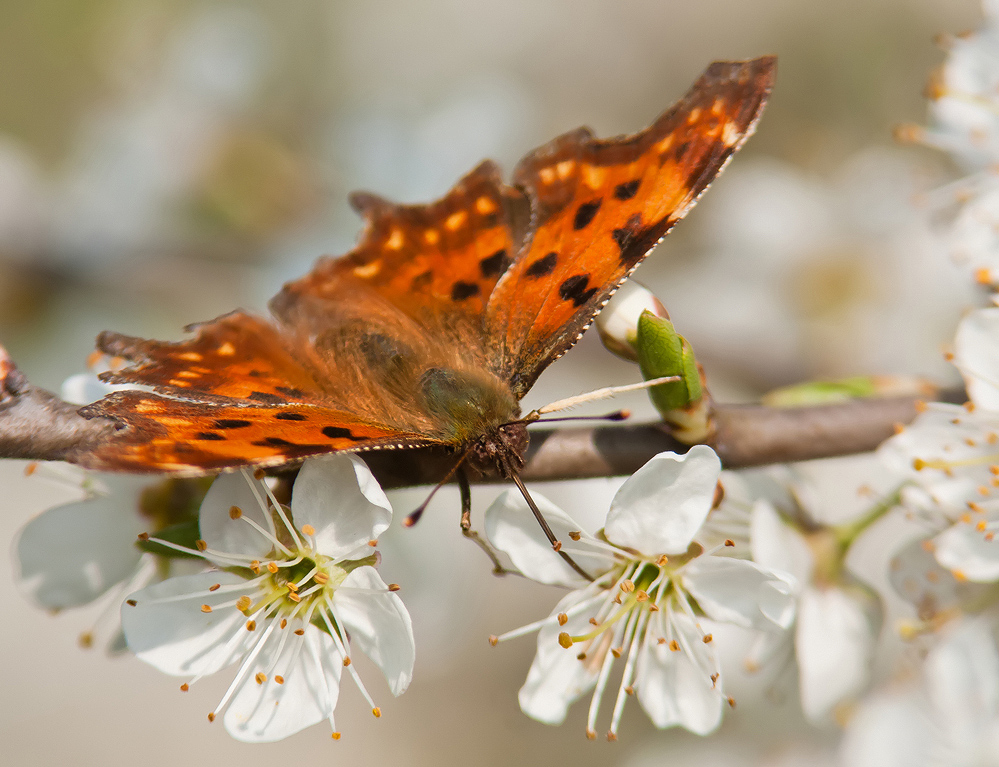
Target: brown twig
{"x": 37, "y": 425}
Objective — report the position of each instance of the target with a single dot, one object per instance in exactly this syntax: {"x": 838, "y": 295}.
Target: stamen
{"x": 598, "y": 690}
{"x": 345, "y": 653}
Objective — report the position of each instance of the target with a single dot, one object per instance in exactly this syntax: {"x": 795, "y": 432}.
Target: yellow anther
{"x": 279, "y": 679}
{"x": 662, "y": 561}
{"x": 235, "y": 512}
{"x": 206, "y": 608}
{"x": 575, "y": 535}
{"x": 591, "y": 734}
{"x": 707, "y": 638}
{"x": 251, "y": 625}
{"x": 394, "y": 587}
{"x": 202, "y": 545}
{"x": 215, "y": 587}
{"x": 185, "y": 687}
{"x": 565, "y": 640}
{"x": 243, "y": 603}
{"x": 674, "y": 645}
{"x": 627, "y": 586}
{"x": 321, "y": 578}
{"x": 259, "y": 474}
{"x": 376, "y": 711}
{"x": 562, "y": 619}
{"x": 346, "y": 661}
{"x": 308, "y": 529}
{"x": 299, "y": 632}
{"x": 272, "y": 567}
{"x": 493, "y": 640}
{"x": 335, "y": 735}
{"x": 211, "y": 716}
{"x": 261, "y": 677}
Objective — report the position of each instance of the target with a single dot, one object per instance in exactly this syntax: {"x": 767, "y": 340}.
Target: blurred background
{"x": 165, "y": 162}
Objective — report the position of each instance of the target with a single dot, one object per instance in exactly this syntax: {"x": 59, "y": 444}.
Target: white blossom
{"x": 289, "y": 597}
{"x": 652, "y": 586}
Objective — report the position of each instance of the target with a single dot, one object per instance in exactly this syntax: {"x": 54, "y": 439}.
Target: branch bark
{"x": 37, "y": 425}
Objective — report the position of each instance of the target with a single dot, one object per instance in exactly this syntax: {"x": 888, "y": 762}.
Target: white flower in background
{"x": 951, "y": 453}
{"x": 964, "y": 122}
{"x": 617, "y": 322}
{"x": 816, "y": 276}
{"x": 950, "y": 718}
{"x": 653, "y": 584}
{"x": 837, "y": 619}
{"x": 289, "y": 597}
{"x": 78, "y": 553}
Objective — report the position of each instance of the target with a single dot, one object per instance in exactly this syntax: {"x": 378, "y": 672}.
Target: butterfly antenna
{"x": 414, "y": 516}
{"x": 617, "y": 415}
{"x": 555, "y": 542}
{"x": 596, "y": 394}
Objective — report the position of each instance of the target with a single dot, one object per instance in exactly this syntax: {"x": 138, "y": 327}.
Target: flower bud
{"x": 617, "y": 324}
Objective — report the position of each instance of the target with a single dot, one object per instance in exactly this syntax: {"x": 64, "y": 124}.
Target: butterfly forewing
{"x": 441, "y": 259}
{"x": 599, "y": 206}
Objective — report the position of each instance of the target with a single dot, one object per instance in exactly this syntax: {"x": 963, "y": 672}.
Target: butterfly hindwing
{"x": 600, "y": 205}
{"x": 163, "y": 434}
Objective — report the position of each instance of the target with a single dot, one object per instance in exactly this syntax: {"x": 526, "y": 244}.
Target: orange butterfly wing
{"x": 600, "y": 205}
{"x": 235, "y": 394}
{"x": 437, "y": 262}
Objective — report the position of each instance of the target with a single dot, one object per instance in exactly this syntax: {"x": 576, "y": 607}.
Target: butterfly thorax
{"x": 477, "y": 411}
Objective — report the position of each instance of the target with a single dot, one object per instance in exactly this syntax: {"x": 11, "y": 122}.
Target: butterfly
{"x": 431, "y": 330}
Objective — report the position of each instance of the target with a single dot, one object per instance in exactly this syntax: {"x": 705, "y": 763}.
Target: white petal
{"x": 70, "y": 555}
{"x": 341, "y": 499}
{"x": 976, "y": 353}
{"x": 835, "y": 644}
{"x": 378, "y": 624}
{"x": 888, "y": 731}
{"x": 776, "y": 545}
{"x": 919, "y": 579}
{"x": 310, "y": 667}
{"x": 962, "y": 676}
{"x": 168, "y": 629}
{"x": 740, "y": 592}
{"x": 511, "y": 527}
{"x": 962, "y": 548}
{"x": 675, "y": 690}
{"x": 660, "y": 508}
{"x": 557, "y": 678}
{"x": 235, "y": 536}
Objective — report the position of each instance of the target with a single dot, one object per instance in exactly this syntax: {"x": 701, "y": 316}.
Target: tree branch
{"x": 37, "y": 425}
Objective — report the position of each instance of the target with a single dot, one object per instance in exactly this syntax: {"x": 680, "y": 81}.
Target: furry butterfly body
{"x": 434, "y": 327}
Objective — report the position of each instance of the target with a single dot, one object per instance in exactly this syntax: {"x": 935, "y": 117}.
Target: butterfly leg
{"x": 466, "y": 524}
{"x": 556, "y": 544}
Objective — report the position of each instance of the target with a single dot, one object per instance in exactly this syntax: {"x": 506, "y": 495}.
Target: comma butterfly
{"x": 432, "y": 329}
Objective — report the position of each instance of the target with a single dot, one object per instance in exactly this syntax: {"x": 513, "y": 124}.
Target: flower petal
{"x": 341, "y": 499}
{"x": 168, "y": 629}
{"x": 672, "y": 687}
{"x": 740, "y": 592}
{"x": 835, "y": 645}
{"x": 962, "y": 676}
{"x": 309, "y": 667}
{"x": 511, "y": 527}
{"x": 976, "y": 353}
{"x": 377, "y": 623}
{"x": 557, "y": 678}
{"x": 70, "y": 555}
{"x": 964, "y": 549}
{"x": 776, "y": 545}
{"x": 235, "y": 536}
{"x": 660, "y": 508}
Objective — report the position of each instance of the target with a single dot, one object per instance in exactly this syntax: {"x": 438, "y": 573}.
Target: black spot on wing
{"x": 290, "y": 417}
{"x": 208, "y": 435}
{"x": 541, "y": 267}
{"x": 462, "y": 290}
{"x": 339, "y": 432}
{"x": 230, "y": 423}
{"x": 575, "y": 289}
{"x": 627, "y": 190}
{"x": 494, "y": 265}
{"x": 274, "y": 442}
{"x": 626, "y": 234}
{"x": 291, "y": 391}
{"x": 268, "y": 399}
{"x": 585, "y": 214}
